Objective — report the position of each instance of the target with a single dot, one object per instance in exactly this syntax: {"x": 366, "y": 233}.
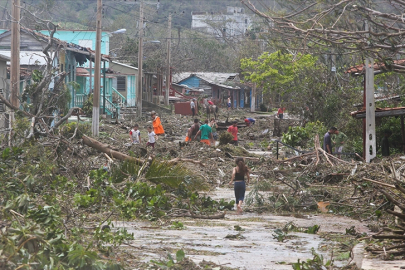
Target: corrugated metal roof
{"x": 215, "y": 78}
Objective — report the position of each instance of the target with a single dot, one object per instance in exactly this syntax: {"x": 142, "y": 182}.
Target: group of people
{"x": 334, "y": 138}
{"x": 206, "y": 133}
{"x": 209, "y": 102}
{"x": 153, "y": 132}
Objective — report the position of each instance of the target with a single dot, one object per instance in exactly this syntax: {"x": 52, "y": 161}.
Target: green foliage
{"x": 304, "y": 136}
{"x": 68, "y": 129}
{"x": 279, "y": 235}
{"x": 91, "y": 198}
{"x": 275, "y": 71}
{"x": 225, "y": 138}
{"x": 263, "y": 107}
{"x": 177, "y": 225}
{"x": 311, "y": 264}
{"x": 88, "y": 105}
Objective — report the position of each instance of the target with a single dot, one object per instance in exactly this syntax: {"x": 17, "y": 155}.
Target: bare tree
{"x": 44, "y": 102}
{"x": 366, "y": 27}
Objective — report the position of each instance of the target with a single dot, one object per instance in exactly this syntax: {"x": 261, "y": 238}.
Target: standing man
{"x": 338, "y": 140}
{"x": 192, "y": 105}
{"x": 234, "y": 131}
{"x": 229, "y": 103}
{"x": 206, "y": 133}
{"x": 327, "y": 140}
{"x": 193, "y": 130}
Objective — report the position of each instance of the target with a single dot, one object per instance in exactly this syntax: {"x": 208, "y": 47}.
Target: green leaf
{"x": 180, "y": 255}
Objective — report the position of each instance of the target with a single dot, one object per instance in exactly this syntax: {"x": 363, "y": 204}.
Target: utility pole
{"x": 97, "y": 74}
{"x": 140, "y": 56}
{"x": 169, "y": 40}
{"x": 15, "y": 54}
{"x": 253, "y": 99}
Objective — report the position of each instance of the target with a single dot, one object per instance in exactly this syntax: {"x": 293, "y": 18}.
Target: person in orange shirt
{"x": 157, "y": 125}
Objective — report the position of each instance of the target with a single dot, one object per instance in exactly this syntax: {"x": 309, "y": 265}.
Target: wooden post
{"x": 140, "y": 56}
{"x": 403, "y": 133}
{"x": 97, "y": 74}
{"x": 168, "y": 75}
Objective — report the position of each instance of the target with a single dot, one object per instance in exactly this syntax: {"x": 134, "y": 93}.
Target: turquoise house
{"x": 80, "y": 69}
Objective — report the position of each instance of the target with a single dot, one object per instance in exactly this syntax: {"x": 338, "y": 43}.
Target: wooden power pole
{"x": 15, "y": 54}
{"x": 97, "y": 73}
{"x": 140, "y": 56}
{"x": 168, "y": 79}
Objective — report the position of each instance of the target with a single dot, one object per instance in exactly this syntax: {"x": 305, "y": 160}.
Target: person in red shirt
{"x": 210, "y": 102}
{"x": 280, "y": 112}
{"x": 234, "y": 131}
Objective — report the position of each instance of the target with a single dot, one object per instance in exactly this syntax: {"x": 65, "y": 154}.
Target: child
{"x": 135, "y": 135}
{"x": 152, "y": 137}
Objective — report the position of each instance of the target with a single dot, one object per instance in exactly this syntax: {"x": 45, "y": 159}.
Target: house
{"x": 218, "y": 86}
{"x": 72, "y": 58}
{"x": 125, "y": 82}
{"x": 235, "y": 22}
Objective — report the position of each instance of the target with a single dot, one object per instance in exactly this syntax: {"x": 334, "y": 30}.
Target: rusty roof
{"x": 381, "y": 67}
{"x": 380, "y": 112}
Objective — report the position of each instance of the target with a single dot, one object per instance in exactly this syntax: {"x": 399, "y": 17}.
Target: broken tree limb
{"x": 105, "y": 149}
{"x": 391, "y": 199}
{"x": 317, "y": 145}
{"x": 378, "y": 183}
{"x": 325, "y": 154}
{"x": 382, "y": 236}
{"x": 400, "y": 215}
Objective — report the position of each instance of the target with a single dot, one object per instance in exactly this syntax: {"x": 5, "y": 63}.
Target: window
{"x": 121, "y": 84}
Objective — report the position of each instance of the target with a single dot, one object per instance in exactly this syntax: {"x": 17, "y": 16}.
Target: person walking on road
{"x": 238, "y": 179}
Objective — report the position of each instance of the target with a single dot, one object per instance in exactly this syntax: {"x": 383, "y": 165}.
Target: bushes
{"x": 68, "y": 129}
{"x": 304, "y": 136}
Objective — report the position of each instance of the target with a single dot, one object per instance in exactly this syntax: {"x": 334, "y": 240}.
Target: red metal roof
{"x": 377, "y": 67}
{"x": 381, "y": 112}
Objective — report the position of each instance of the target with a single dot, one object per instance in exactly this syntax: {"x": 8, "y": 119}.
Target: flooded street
{"x": 252, "y": 248}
